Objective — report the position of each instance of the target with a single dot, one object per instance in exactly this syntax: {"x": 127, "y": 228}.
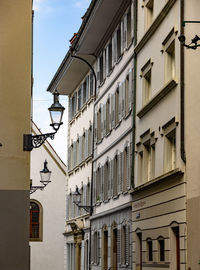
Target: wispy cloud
{"x": 83, "y": 4}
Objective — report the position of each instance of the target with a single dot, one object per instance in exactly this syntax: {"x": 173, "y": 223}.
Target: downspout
{"x": 182, "y": 84}
{"x": 134, "y": 96}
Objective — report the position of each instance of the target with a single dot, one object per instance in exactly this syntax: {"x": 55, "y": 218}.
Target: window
{"x": 91, "y": 84}
{"x": 146, "y": 87}
{"x": 105, "y": 249}
{"x": 105, "y": 184}
{"x": 115, "y": 176}
{"x": 115, "y": 248}
{"x": 146, "y": 157}
{"x": 74, "y": 104}
{"x": 101, "y": 70}
{"x": 161, "y": 249}
{"x": 84, "y": 91}
{"x": 95, "y": 248}
{"x": 83, "y": 146}
{"x": 109, "y": 57}
{"x": 175, "y": 246}
{"x": 169, "y": 131}
{"x": 126, "y": 94}
{"x": 149, "y": 13}
{"x": 90, "y": 140}
{"x": 125, "y": 248}
{"x": 169, "y": 54}
{"x": 98, "y": 184}
{"x": 35, "y": 221}
{"x": 70, "y": 256}
{"x": 119, "y": 37}
{"x": 149, "y": 250}
{"x": 170, "y": 62}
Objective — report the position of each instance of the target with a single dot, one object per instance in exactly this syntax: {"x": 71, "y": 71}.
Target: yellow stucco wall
{"x": 15, "y": 92}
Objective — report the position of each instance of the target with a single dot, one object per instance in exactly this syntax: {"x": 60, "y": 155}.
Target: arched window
{"x": 35, "y": 221}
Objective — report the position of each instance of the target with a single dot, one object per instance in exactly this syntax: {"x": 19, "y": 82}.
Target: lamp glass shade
{"x": 56, "y": 112}
{"x": 76, "y": 196}
{"x": 45, "y": 174}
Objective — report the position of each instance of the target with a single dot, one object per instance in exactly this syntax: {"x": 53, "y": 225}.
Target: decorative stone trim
{"x": 161, "y": 94}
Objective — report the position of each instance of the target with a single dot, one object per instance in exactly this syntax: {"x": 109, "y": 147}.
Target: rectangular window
{"x": 129, "y": 27}
{"x": 119, "y": 36}
{"x": 70, "y": 256}
{"x": 146, "y": 88}
{"x": 110, "y": 57}
{"x": 170, "y": 62}
{"x": 101, "y": 66}
{"x": 117, "y": 107}
{"x": 115, "y": 176}
{"x": 170, "y": 151}
{"x": 149, "y": 8}
{"x": 99, "y": 125}
{"x": 91, "y": 84}
{"x": 149, "y": 250}
{"x": 108, "y": 116}
{"x": 161, "y": 244}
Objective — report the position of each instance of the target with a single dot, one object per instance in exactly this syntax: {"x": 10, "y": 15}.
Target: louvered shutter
{"x": 92, "y": 248}
{"x": 98, "y": 71}
{"x": 74, "y": 154}
{"x": 119, "y": 247}
{"x": 80, "y": 158}
{"x": 125, "y": 31}
{"x": 68, "y": 158}
{"x": 102, "y": 122}
{"x": 86, "y": 143}
{"x": 75, "y": 102}
{"x": 107, "y": 60}
{"x": 130, "y": 89}
{"x": 123, "y": 98}
{"x": 122, "y": 36}
{"x": 104, "y": 64}
{"x": 132, "y": 20}
{"x": 112, "y": 177}
{"x": 102, "y": 184}
{"x": 94, "y": 187}
{"x": 113, "y": 51}
{"x": 95, "y": 127}
{"x": 123, "y": 173}
{"x": 81, "y": 94}
{"x": 91, "y": 85}
{"x": 70, "y": 109}
{"x": 113, "y": 109}
{"x": 104, "y": 119}
{"x": 128, "y": 168}
{"x": 82, "y": 255}
{"x": 119, "y": 172}
{"x": 87, "y": 88}
{"x": 127, "y": 247}
{"x": 110, "y": 116}
{"x": 109, "y": 180}
{"x": 120, "y": 102}
{"x": 98, "y": 247}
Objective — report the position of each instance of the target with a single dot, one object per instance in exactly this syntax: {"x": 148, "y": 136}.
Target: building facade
{"x": 47, "y": 210}
{"x": 15, "y": 93}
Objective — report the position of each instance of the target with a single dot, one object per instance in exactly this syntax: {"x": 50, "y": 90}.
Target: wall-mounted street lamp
{"x": 194, "y": 42}
{"x": 77, "y": 200}
{"x": 45, "y": 176}
{"x": 56, "y": 113}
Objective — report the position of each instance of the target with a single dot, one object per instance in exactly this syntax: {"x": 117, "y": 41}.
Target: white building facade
{"x": 47, "y": 210}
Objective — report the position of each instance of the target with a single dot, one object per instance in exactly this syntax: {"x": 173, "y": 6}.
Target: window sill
{"x": 84, "y": 107}
{"x": 160, "y": 95}
{"x": 171, "y": 174}
{"x": 115, "y": 197}
{"x": 128, "y": 114}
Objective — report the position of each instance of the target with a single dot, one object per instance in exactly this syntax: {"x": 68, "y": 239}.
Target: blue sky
{"x": 55, "y": 22}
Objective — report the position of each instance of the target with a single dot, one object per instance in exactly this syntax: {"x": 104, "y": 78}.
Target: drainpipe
{"x": 134, "y": 96}
{"x": 182, "y": 85}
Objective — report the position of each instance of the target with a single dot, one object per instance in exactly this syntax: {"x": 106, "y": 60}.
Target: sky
{"x": 55, "y": 22}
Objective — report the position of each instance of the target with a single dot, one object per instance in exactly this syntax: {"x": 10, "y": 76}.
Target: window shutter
{"x": 95, "y": 127}
{"x": 119, "y": 172}
{"x": 130, "y": 89}
{"x": 92, "y": 248}
{"x": 80, "y": 149}
{"x": 74, "y": 154}
{"x": 82, "y": 254}
{"x": 98, "y": 247}
{"x": 98, "y": 71}
{"x": 91, "y": 85}
{"x": 102, "y": 121}
{"x": 112, "y": 177}
{"x": 132, "y": 20}
{"x": 125, "y": 31}
{"x": 109, "y": 180}
{"x": 113, "y": 110}
{"x": 70, "y": 109}
{"x": 87, "y": 88}
{"x": 67, "y": 207}
{"x": 120, "y": 101}
{"x": 123, "y": 98}
{"x": 114, "y": 48}
{"x": 69, "y": 158}
{"x": 81, "y": 95}
{"x": 94, "y": 187}
{"x": 122, "y": 36}
{"x": 104, "y": 63}
{"x": 86, "y": 143}
{"x": 127, "y": 251}
{"x": 123, "y": 174}
{"x": 128, "y": 168}
{"x": 75, "y": 102}
{"x": 107, "y": 60}
{"x": 119, "y": 247}
{"x": 102, "y": 184}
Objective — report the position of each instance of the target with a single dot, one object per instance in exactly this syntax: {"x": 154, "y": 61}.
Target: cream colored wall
{"x": 15, "y": 96}
{"x": 169, "y": 106}
{"x": 48, "y": 254}
{"x": 192, "y": 127}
